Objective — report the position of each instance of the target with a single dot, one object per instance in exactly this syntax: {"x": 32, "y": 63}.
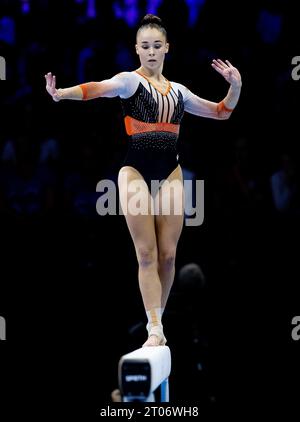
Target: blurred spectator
{"x": 195, "y": 7}
{"x": 124, "y": 56}
{"x": 7, "y": 30}
{"x": 90, "y": 7}
{"x": 8, "y": 154}
{"x": 269, "y": 26}
{"x": 191, "y": 279}
{"x": 127, "y": 10}
{"x": 80, "y": 184}
{"x": 187, "y": 314}
{"x": 27, "y": 189}
{"x": 49, "y": 150}
{"x": 285, "y": 185}
{"x": 86, "y": 55}
{"x": 153, "y": 5}
{"x": 25, "y": 6}
{"x": 245, "y": 191}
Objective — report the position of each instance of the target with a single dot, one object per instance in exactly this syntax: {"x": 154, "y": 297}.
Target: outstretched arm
{"x": 223, "y": 109}
{"x": 87, "y": 91}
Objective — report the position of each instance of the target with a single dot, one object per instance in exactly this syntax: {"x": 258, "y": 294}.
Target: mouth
{"x": 151, "y": 60}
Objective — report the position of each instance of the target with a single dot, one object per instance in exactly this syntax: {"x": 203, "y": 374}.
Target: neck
{"x": 153, "y": 74}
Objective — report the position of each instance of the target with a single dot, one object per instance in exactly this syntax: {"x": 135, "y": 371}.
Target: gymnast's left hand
{"x": 229, "y": 72}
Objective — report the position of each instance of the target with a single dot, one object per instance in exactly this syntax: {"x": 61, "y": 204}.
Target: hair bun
{"x": 151, "y": 19}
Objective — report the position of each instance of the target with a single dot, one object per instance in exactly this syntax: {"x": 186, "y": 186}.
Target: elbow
{"x": 223, "y": 116}
{"x": 227, "y": 116}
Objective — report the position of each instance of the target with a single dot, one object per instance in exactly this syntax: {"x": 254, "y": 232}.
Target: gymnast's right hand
{"x": 50, "y": 86}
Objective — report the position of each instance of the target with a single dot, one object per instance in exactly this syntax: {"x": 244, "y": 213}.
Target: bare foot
{"x": 156, "y": 338}
{"x": 153, "y": 340}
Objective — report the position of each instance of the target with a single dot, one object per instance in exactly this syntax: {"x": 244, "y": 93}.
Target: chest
{"x": 148, "y": 104}
{"x": 162, "y": 88}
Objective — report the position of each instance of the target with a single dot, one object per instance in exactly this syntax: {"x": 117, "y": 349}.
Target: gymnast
{"x": 153, "y": 108}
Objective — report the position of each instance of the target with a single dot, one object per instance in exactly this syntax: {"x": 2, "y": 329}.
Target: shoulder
{"x": 126, "y": 76}
{"x": 180, "y": 88}
{"x": 122, "y": 77}
{"x": 129, "y": 81}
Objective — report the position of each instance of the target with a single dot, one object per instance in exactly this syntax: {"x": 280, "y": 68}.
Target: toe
{"x": 153, "y": 340}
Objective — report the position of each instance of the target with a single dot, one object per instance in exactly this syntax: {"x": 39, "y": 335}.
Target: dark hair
{"x": 152, "y": 21}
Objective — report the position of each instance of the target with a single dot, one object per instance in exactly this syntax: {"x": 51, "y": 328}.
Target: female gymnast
{"x": 153, "y": 108}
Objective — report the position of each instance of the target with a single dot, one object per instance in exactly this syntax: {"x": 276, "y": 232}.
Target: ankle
{"x": 157, "y": 331}
{"x": 150, "y": 327}
{"x": 154, "y": 318}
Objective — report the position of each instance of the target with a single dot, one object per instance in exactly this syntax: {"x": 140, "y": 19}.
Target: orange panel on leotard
{"x": 134, "y": 126}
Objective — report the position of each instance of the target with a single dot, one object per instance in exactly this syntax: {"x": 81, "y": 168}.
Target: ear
{"x": 167, "y": 47}
{"x": 136, "y": 49}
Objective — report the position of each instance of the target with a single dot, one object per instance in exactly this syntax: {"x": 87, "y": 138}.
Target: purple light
{"x": 153, "y": 5}
{"x": 91, "y": 9}
{"x": 129, "y": 11}
{"x": 194, "y": 7}
{"x": 25, "y": 6}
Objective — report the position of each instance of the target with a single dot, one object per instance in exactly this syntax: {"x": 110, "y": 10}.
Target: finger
{"x": 217, "y": 65}
{"x": 53, "y": 82}
{"x": 222, "y": 63}
{"x": 48, "y": 78}
{"x": 218, "y": 68}
{"x": 228, "y": 62}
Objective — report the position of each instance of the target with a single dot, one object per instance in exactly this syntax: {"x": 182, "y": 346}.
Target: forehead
{"x": 150, "y": 35}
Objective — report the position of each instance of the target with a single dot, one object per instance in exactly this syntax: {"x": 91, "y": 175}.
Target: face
{"x": 151, "y": 47}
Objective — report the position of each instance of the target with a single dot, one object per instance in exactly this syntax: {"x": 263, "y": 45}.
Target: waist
{"x": 134, "y": 126}
{"x": 153, "y": 141}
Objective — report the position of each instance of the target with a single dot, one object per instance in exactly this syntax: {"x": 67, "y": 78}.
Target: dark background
{"x": 68, "y": 277}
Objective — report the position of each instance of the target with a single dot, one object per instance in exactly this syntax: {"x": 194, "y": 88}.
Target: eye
{"x": 157, "y": 46}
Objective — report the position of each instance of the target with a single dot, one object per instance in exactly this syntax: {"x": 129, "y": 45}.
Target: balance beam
{"x": 142, "y": 371}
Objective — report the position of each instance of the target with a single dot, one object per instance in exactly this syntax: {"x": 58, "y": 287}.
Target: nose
{"x": 151, "y": 51}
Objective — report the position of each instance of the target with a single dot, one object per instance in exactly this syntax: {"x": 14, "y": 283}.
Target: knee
{"x": 147, "y": 256}
{"x": 167, "y": 259}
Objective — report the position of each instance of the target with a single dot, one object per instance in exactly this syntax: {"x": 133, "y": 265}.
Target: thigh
{"x": 133, "y": 191}
{"x": 169, "y": 204}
